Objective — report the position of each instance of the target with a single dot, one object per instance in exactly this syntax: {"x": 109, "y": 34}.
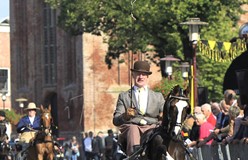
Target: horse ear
{"x": 41, "y": 107}
{"x": 49, "y": 107}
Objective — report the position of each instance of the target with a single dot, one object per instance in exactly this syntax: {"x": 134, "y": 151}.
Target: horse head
{"x": 176, "y": 109}
{"x": 46, "y": 119}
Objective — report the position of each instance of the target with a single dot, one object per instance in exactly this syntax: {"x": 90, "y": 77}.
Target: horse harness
{"x": 178, "y": 137}
{"x": 45, "y": 130}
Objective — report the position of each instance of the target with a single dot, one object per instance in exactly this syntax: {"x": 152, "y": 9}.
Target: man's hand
{"x": 129, "y": 114}
{"x": 160, "y": 117}
{"x": 216, "y": 131}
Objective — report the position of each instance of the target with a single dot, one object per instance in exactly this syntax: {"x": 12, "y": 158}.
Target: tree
{"x": 135, "y": 25}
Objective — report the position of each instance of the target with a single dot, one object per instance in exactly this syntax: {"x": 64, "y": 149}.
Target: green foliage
{"x": 135, "y": 25}
{"x": 12, "y": 116}
{"x": 167, "y": 84}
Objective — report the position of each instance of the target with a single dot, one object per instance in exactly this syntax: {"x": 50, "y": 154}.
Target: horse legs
{"x": 157, "y": 148}
{"x": 40, "y": 156}
{"x": 50, "y": 153}
{"x": 176, "y": 150}
{"x": 50, "y": 156}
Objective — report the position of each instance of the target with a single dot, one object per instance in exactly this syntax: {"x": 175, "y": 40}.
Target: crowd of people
{"x": 92, "y": 146}
{"x": 218, "y": 122}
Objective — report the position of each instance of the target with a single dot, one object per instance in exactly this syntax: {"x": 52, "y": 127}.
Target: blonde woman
{"x": 75, "y": 148}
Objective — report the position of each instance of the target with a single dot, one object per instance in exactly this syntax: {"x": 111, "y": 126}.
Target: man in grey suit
{"x": 137, "y": 109}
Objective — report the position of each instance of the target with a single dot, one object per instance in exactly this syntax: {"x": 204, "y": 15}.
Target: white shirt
{"x": 88, "y": 144}
{"x": 144, "y": 96}
{"x": 31, "y": 119}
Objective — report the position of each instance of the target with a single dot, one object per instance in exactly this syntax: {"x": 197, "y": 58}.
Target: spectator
{"x": 206, "y": 110}
{"x": 237, "y": 122}
{"x": 109, "y": 141}
{"x": 215, "y": 107}
{"x": 67, "y": 151}
{"x": 194, "y": 134}
{"x": 88, "y": 144}
{"x": 83, "y": 136}
{"x": 227, "y": 127}
{"x": 222, "y": 126}
{"x": 197, "y": 110}
{"x": 75, "y": 148}
{"x": 97, "y": 146}
{"x": 205, "y": 129}
{"x": 235, "y": 119}
{"x": 229, "y": 100}
{"x": 242, "y": 133}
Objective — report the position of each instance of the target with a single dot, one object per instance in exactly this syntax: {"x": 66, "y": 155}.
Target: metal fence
{"x": 222, "y": 152}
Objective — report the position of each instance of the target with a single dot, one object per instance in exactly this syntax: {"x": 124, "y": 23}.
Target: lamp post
{"x": 169, "y": 60}
{"x": 194, "y": 36}
{"x": 21, "y": 103}
{"x": 4, "y": 99}
{"x": 185, "y": 69}
{"x": 185, "y": 73}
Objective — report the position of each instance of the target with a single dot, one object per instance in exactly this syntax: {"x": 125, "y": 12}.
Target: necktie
{"x": 141, "y": 96}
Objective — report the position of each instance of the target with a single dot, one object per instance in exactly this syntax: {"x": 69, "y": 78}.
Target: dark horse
{"x": 176, "y": 110}
{"x": 43, "y": 147}
{"x": 166, "y": 141}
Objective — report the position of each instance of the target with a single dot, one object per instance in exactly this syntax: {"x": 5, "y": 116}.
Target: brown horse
{"x": 43, "y": 143}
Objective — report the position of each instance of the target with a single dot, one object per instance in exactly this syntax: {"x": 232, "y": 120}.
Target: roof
{"x": 4, "y": 20}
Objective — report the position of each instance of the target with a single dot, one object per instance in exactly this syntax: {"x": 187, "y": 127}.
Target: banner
{"x": 222, "y": 51}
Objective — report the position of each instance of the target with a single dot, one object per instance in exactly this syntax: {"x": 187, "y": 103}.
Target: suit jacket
{"x": 24, "y": 124}
{"x": 155, "y": 104}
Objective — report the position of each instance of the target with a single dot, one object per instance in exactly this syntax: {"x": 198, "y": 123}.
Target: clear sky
{"x": 4, "y": 9}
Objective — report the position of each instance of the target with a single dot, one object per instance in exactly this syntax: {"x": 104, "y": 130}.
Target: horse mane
{"x": 166, "y": 118}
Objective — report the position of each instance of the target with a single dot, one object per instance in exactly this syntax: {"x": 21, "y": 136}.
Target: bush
{"x": 12, "y": 116}
{"x": 166, "y": 84}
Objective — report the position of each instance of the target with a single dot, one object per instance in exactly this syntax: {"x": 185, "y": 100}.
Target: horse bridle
{"x": 47, "y": 129}
{"x": 171, "y": 98}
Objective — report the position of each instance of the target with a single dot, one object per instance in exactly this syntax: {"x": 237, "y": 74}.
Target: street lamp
{"x": 4, "y": 99}
{"x": 169, "y": 60}
{"x": 21, "y": 103}
{"x": 184, "y": 66}
{"x": 194, "y": 36}
{"x": 185, "y": 69}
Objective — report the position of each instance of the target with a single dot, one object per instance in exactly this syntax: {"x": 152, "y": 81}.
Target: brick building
{"x": 5, "y": 64}
{"x": 50, "y": 66}
{"x": 5, "y": 90}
